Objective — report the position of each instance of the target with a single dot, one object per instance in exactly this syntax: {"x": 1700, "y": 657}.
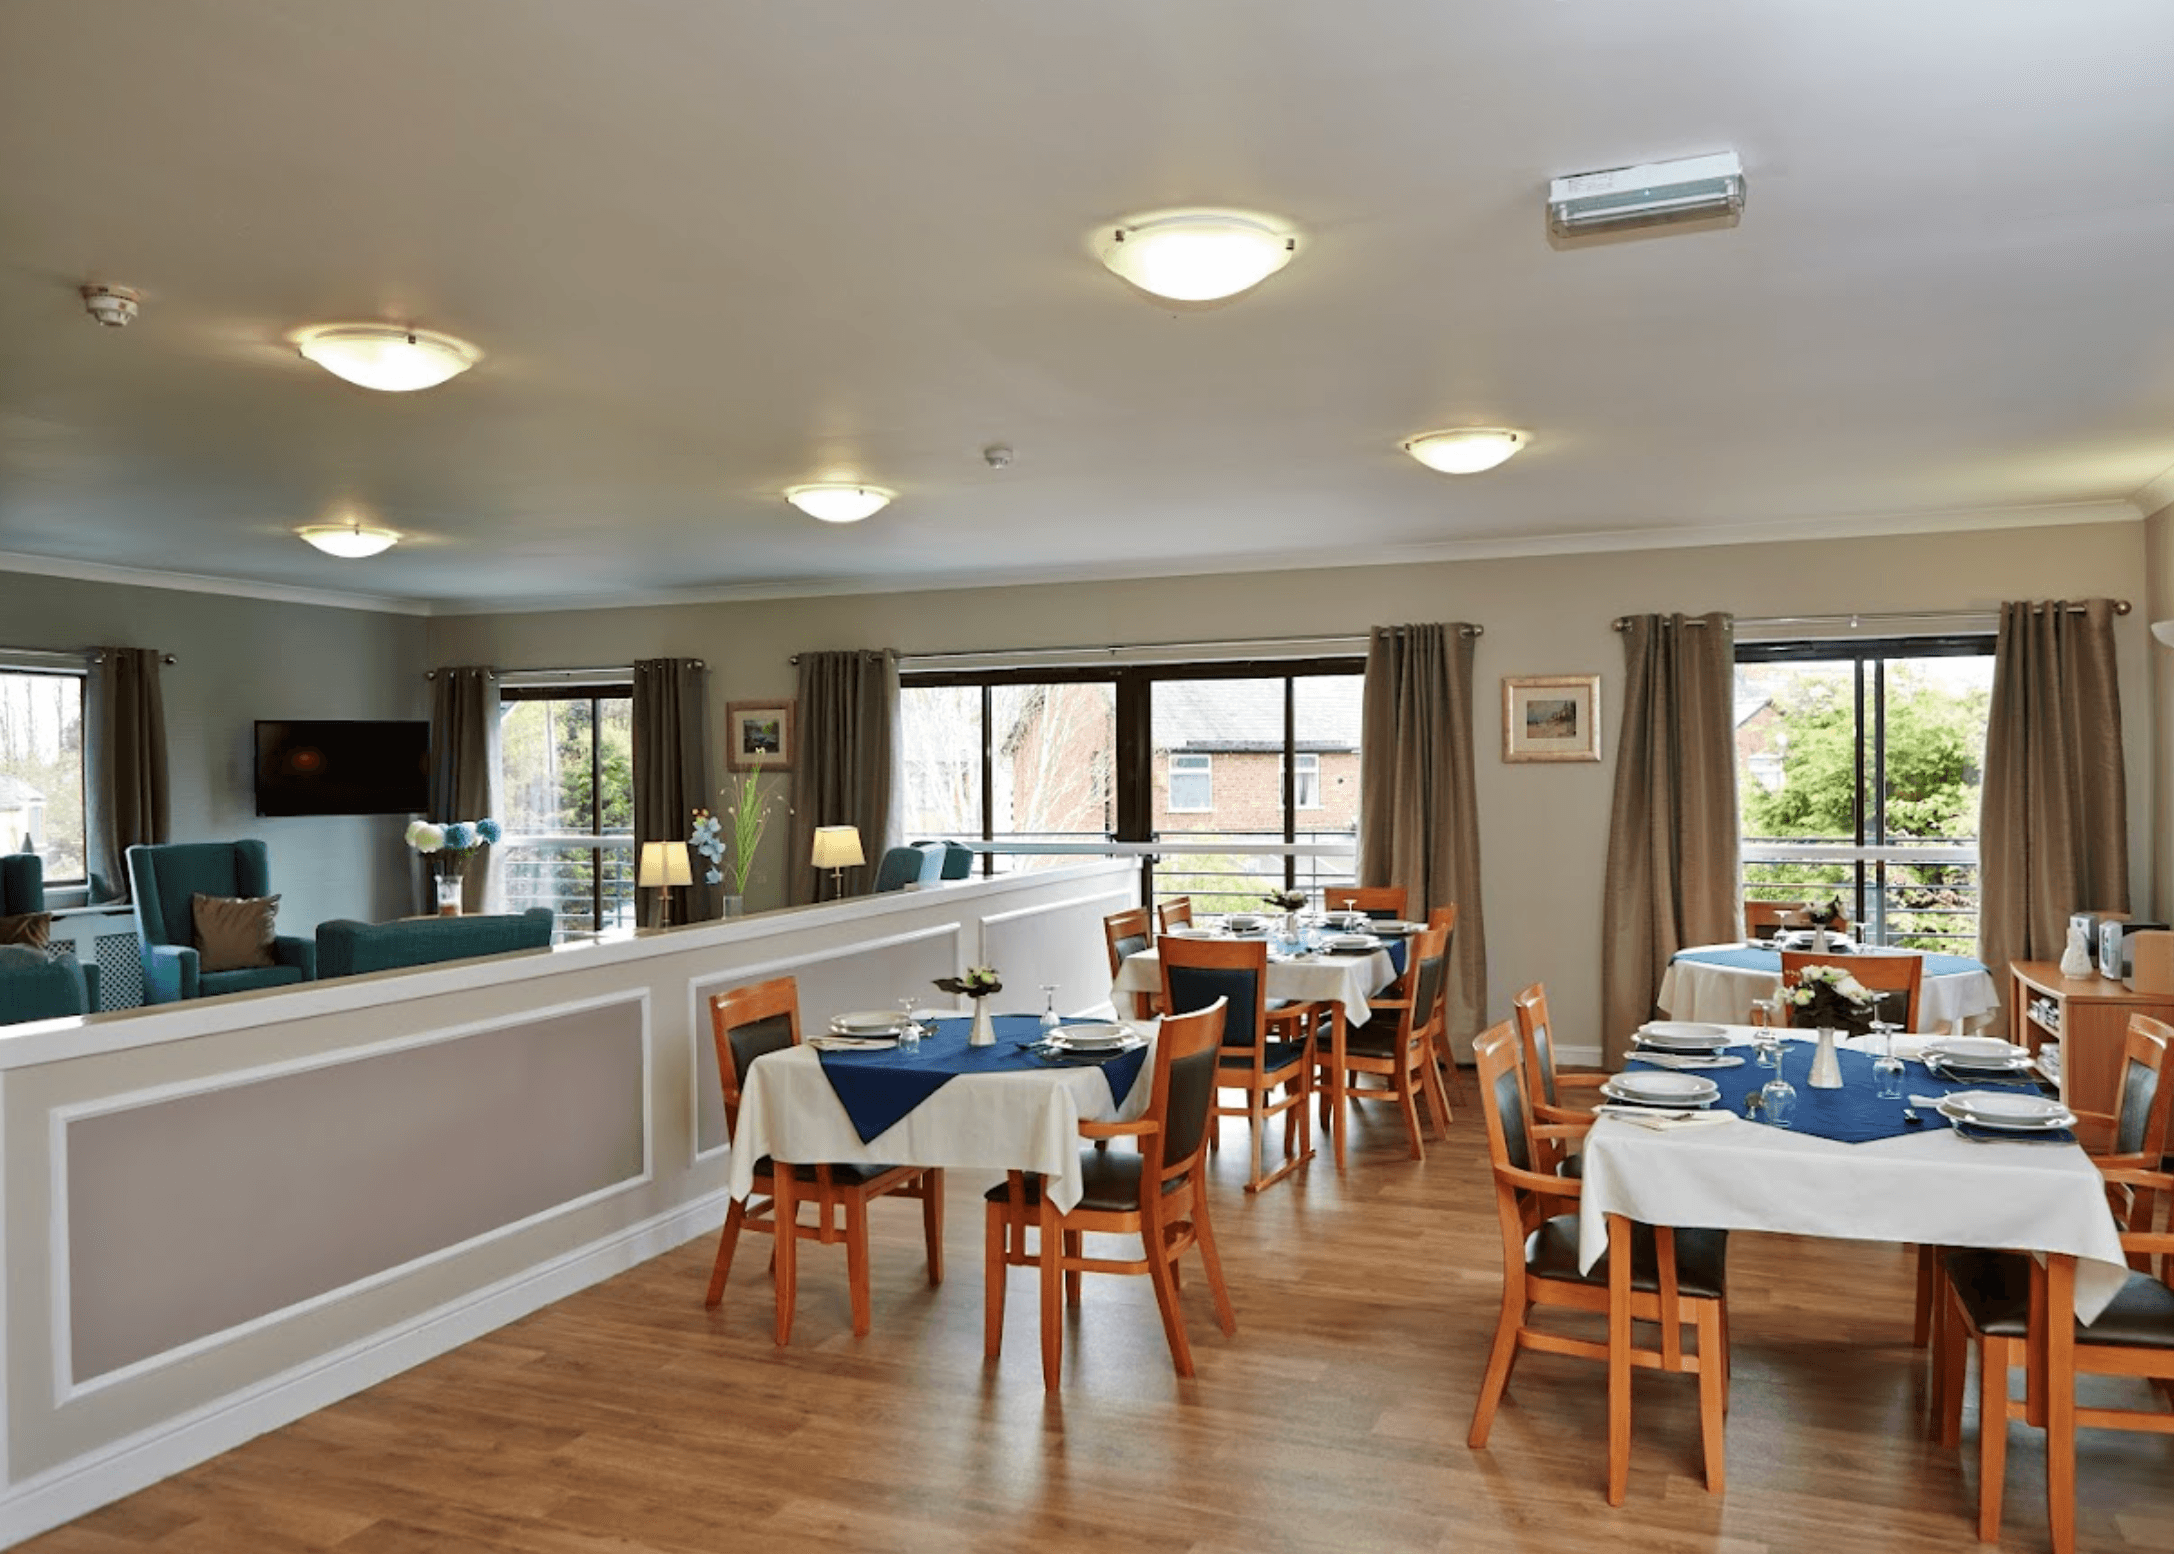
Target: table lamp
{"x": 663, "y": 865}
{"x": 837, "y": 848}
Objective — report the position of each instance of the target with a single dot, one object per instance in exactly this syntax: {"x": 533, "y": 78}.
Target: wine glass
{"x": 1765, "y": 1045}
{"x": 1886, "y": 1068}
{"x": 1050, "y": 1018}
{"x": 909, "y": 1029}
{"x": 1778, "y": 1097}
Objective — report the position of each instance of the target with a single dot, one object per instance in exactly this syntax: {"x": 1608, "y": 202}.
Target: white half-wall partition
{"x": 225, "y": 1214}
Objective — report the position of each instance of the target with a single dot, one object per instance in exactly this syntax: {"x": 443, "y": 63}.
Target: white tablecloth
{"x": 1341, "y": 979}
{"x": 1932, "y": 1188}
{"x": 1724, "y": 994}
{"x": 1027, "y": 1121}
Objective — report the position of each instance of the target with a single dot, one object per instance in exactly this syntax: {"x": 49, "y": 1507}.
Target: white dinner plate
{"x": 1062, "y": 1041}
{"x": 1351, "y": 941}
{"x": 2007, "y": 1109}
{"x": 868, "y": 1022}
{"x": 1103, "y": 1034}
{"x": 1188, "y": 931}
{"x": 1698, "y": 1028}
{"x": 1663, "y": 1088}
{"x": 1683, "y": 1037}
{"x": 1982, "y": 1051}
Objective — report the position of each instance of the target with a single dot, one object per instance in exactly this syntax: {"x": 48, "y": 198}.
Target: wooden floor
{"x": 627, "y": 1418}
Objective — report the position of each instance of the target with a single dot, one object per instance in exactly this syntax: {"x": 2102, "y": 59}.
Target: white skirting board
{"x": 75, "y": 1488}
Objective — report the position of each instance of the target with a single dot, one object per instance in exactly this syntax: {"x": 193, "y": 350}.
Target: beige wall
{"x": 1545, "y": 826}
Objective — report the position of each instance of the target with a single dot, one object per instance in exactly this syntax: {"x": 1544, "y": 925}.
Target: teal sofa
{"x": 164, "y": 877}
{"x": 346, "y": 948}
{"x": 33, "y": 987}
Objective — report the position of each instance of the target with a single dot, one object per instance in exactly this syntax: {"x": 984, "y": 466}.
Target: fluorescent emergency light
{"x": 1646, "y": 195}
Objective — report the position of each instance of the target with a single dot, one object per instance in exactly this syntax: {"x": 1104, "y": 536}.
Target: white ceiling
{"x": 715, "y": 247}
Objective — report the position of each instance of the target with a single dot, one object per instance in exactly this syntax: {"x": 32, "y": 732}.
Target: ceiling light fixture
{"x": 1195, "y": 255}
{"x": 838, "y": 501}
{"x": 1464, "y": 450}
{"x": 387, "y": 357}
{"x": 350, "y": 541}
{"x": 1646, "y": 195}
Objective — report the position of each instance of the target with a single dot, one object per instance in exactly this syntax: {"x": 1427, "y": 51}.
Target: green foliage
{"x": 1934, "y": 743}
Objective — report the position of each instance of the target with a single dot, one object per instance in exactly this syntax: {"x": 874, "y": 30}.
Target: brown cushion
{"x": 234, "y": 933}
{"x": 32, "y": 928}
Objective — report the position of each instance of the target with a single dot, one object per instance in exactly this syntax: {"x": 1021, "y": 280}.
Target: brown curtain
{"x": 2053, "y": 828}
{"x": 842, "y": 774}
{"x": 1672, "y": 829}
{"x": 126, "y": 757}
{"x": 464, "y": 766}
{"x": 672, "y": 772}
{"x": 1421, "y": 824}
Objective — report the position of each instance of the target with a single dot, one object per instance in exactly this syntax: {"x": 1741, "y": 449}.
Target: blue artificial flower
{"x": 714, "y": 877}
{"x": 460, "y": 836}
{"x": 487, "y": 828}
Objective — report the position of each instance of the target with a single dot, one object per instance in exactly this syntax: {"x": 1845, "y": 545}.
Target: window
{"x": 1859, "y": 768}
{"x": 567, "y": 758}
{"x": 1192, "y": 783}
{"x": 41, "y": 770}
{"x": 1306, "y": 787}
{"x": 1013, "y": 758}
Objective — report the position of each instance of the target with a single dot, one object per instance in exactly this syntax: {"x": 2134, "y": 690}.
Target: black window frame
{"x": 594, "y": 694}
{"x": 83, "y": 884}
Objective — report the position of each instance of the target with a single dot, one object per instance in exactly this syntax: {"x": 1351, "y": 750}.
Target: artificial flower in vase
{"x": 749, "y": 810}
{"x": 978, "y": 983}
{"x": 1290, "y": 903}
{"x": 1823, "y": 920}
{"x": 1827, "y": 996}
{"x": 447, "y": 849}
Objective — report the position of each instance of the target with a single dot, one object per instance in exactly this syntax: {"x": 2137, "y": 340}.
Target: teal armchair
{"x": 22, "y": 884}
{"x": 164, "y": 878}
{"x": 33, "y": 987}
{"x": 346, "y": 948}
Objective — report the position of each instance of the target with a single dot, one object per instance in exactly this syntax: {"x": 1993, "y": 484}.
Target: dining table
{"x": 1294, "y": 975}
{"x": 1004, "y": 1107}
{"x": 1720, "y": 982}
{"x": 1850, "y": 1166}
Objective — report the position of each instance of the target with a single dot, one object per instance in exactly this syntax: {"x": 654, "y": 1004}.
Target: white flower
{"x": 425, "y": 837}
{"x": 1849, "y": 987}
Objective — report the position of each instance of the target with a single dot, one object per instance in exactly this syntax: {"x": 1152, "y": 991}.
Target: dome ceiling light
{"x": 1464, "y": 450}
{"x": 350, "y": 541}
{"x": 388, "y": 357}
{"x": 1195, "y": 256}
{"x": 838, "y": 501}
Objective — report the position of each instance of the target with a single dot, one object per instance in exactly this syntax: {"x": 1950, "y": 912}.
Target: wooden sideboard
{"x": 2091, "y": 1021}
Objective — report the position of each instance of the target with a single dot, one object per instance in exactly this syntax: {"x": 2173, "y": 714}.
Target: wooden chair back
{"x": 1427, "y": 963}
{"x": 1512, "y": 1150}
{"x": 1886, "y": 975}
{"x": 2146, "y": 1105}
{"x": 1198, "y": 972}
{"x": 1444, "y": 917}
{"x": 1128, "y": 934}
{"x": 1187, "y": 1048}
{"x": 1537, "y": 1034}
{"x": 1764, "y": 919}
{"x": 1177, "y": 912}
{"x": 745, "y": 1023}
{"x": 1384, "y": 903}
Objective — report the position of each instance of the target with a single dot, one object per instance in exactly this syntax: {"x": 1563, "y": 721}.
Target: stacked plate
{"x": 1351, "y": 944}
{"x": 1245, "y": 922}
{"x": 1686, "y": 1036}
{"x": 1350, "y": 922}
{"x": 2006, "y": 1111}
{"x": 868, "y": 1025}
{"x": 1975, "y": 1057}
{"x": 1641, "y": 1088}
{"x": 1083, "y": 1039}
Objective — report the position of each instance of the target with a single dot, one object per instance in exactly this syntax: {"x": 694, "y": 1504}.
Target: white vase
{"x": 1826, "y": 1062}
{"x": 449, "y": 895}
{"x": 984, "y": 1032}
{"x": 734, "y": 906}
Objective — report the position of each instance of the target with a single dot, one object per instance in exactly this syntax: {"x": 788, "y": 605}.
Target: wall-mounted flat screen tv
{"x": 343, "y": 768}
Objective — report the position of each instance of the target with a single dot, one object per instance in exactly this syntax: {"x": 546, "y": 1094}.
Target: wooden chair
{"x": 1396, "y": 1044}
{"x": 1764, "y": 919}
{"x": 1264, "y": 1049}
{"x": 1887, "y": 975}
{"x": 746, "y": 1023}
{"x": 1159, "y": 1194}
{"x": 1675, "y": 1278}
{"x": 1384, "y": 903}
{"x": 1551, "y": 1092}
{"x": 2022, "y": 1312}
{"x": 1127, "y": 934}
{"x": 1177, "y": 912}
{"x": 1445, "y": 918}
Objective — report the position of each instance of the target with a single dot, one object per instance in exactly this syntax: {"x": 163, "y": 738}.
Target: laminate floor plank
{"x": 628, "y": 1418}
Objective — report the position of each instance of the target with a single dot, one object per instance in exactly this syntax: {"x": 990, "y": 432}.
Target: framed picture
{"x": 1551, "y": 717}
{"x": 759, "y": 733}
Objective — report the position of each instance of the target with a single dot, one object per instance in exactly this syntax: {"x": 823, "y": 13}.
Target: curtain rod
{"x": 1857, "y": 617}
{"x": 1346, "y": 640}
{"x": 618, "y": 672}
{"x": 74, "y": 656}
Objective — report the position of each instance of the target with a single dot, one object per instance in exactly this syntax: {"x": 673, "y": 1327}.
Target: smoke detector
{"x": 112, "y": 306}
{"x": 997, "y": 456}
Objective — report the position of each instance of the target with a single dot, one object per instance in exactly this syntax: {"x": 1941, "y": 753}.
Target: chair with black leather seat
{"x": 1383, "y": 903}
{"x": 1675, "y": 1278}
{"x": 1551, "y": 1092}
{"x": 746, "y": 1023}
{"x": 1177, "y": 912}
{"x": 1264, "y": 1049}
{"x": 2022, "y": 1312}
{"x": 1126, "y": 934}
{"x": 1396, "y": 1044}
{"x": 1159, "y": 1194}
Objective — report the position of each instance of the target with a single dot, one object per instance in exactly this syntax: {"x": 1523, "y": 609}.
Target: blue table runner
{"x": 1853, "y": 1114}
{"x": 1747, "y": 958}
{"x": 878, "y": 1088}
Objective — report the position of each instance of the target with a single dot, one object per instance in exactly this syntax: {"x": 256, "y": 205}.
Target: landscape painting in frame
{"x": 1551, "y": 717}
{"x": 759, "y": 734}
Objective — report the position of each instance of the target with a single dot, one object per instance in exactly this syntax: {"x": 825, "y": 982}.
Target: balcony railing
{"x": 1919, "y": 896}
{"x": 586, "y": 881}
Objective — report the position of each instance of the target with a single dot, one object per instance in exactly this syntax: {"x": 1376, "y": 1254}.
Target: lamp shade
{"x": 1196, "y": 256}
{"x": 387, "y": 357}
{"x": 838, "y": 847}
{"x": 838, "y": 501}
{"x": 349, "y": 541}
{"x": 1465, "y": 450}
{"x": 664, "y": 863}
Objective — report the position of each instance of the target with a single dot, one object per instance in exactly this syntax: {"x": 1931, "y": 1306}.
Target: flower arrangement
{"x": 978, "y": 983}
{"x": 1830, "y": 996}
{"x": 449, "y": 846}
{"x": 1286, "y": 900}
{"x": 1824, "y": 916}
{"x": 750, "y": 812}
